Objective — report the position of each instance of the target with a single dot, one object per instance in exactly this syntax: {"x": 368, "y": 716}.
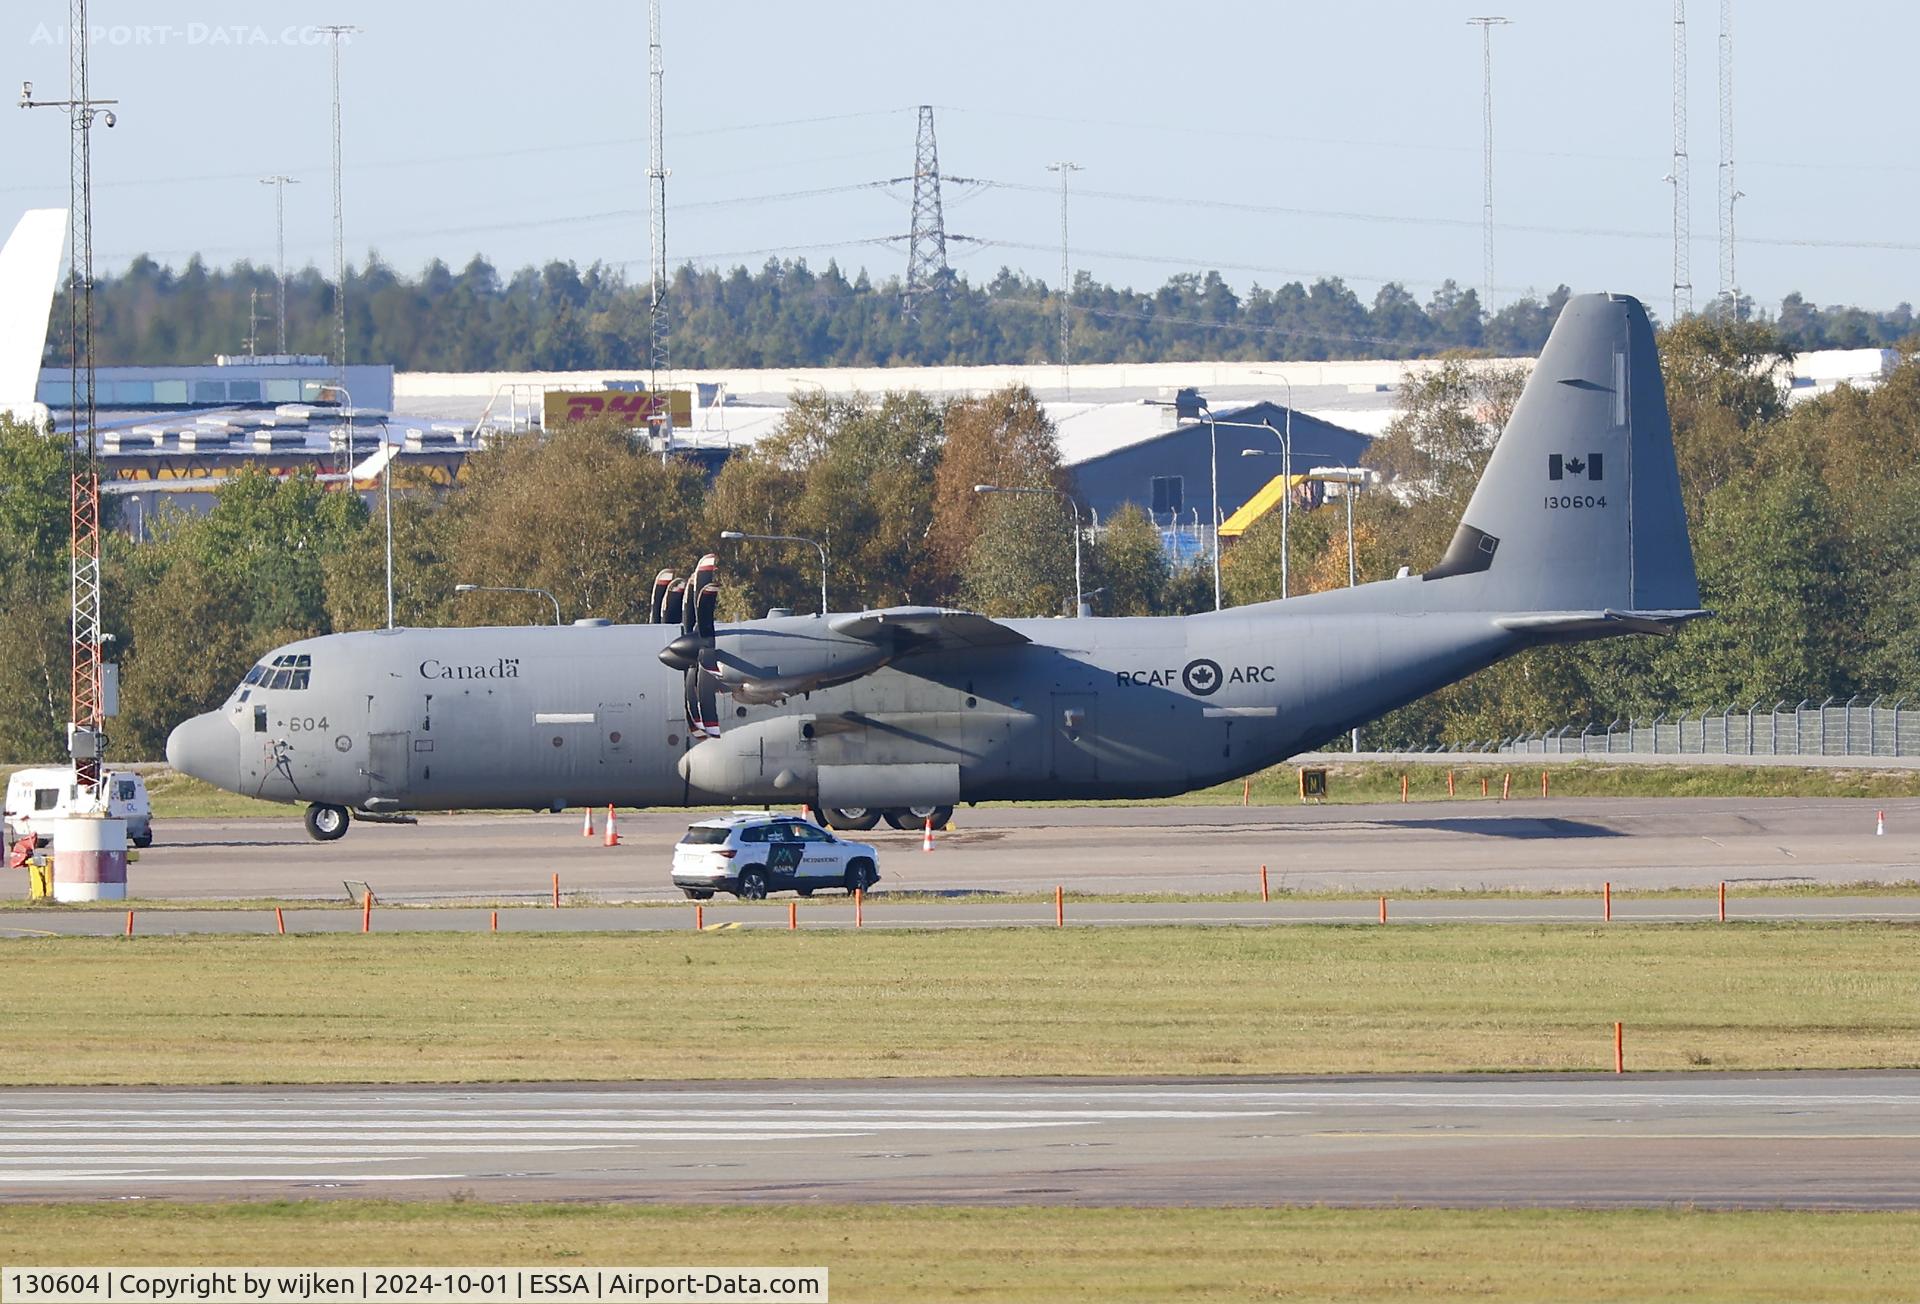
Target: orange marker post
{"x": 556, "y": 889}
{"x": 699, "y": 919}
{"x": 1483, "y": 785}
{"x": 366, "y": 911}
{"x": 1543, "y": 783}
{"x": 1263, "y": 883}
{"x": 1606, "y": 895}
{"x": 493, "y": 922}
{"x": 1506, "y": 785}
{"x": 1246, "y": 791}
{"x": 1723, "y": 900}
{"x": 1619, "y": 1049}
{"x": 1383, "y": 910}
{"x": 1403, "y": 787}
{"x": 859, "y": 907}
{"x": 129, "y": 923}
{"x": 793, "y": 915}
{"x": 1059, "y": 907}
{"x": 1449, "y": 783}
{"x": 280, "y": 921}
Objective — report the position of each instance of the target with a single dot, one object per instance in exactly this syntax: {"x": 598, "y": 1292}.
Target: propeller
{"x": 671, "y": 603}
{"x": 657, "y": 609}
{"x": 693, "y": 652}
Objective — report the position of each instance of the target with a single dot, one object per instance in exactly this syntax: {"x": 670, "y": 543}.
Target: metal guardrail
{"x": 1830, "y": 728}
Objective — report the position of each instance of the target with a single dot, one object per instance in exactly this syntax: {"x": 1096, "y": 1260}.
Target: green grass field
{"x": 1307, "y": 999}
{"x": 1042, "y": 1255}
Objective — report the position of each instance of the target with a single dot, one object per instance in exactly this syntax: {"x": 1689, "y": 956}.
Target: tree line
{"x": 1801, "y": 521}
{"x": 561, "y": 317}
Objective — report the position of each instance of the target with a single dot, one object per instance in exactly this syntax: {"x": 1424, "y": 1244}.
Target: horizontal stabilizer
{"x": 1571, "y": 625}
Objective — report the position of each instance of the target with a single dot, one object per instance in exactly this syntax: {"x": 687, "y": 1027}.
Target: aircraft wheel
{"x": 914, "y": 818}
{"x": 851, "y": 819}
{"x": 143, "y": 842}
{"x": 753, "y": 883}
{"x": 327, "y": 823}
{"x": 861, "y": 875}
{"x": 900, "y": 819}
{"x": 803, "y": 891}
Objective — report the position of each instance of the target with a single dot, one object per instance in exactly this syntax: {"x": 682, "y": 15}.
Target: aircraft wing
{"x": 927, "y": 629}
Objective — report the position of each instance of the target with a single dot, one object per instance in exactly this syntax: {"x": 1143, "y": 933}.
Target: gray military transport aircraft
{"x": 1575, "y": 532}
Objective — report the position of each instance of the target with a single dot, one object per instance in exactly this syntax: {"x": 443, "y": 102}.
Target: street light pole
{"x": 1213, "y": 463}
{"x": 792, "y": 538}
{"x": 1079, "y": 601}
{"x": 508, "y": 588}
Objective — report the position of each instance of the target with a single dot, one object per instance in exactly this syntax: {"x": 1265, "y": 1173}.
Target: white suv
{"x": 756, "y": 853}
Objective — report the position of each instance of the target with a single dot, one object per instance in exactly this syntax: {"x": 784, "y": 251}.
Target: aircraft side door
{"x": 388, "y": 764}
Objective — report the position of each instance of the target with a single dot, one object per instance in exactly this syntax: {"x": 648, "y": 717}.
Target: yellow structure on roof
{"x": 1259, "y": 505}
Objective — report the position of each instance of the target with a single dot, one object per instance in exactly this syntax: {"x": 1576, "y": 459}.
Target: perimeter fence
{"x": 1855, "y": 727}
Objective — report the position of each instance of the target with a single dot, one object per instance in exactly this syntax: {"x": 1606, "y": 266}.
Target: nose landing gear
{"x": 327, "y": 823}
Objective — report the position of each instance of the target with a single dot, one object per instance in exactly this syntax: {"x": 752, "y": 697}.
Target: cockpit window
{"x": 287, "y": 671}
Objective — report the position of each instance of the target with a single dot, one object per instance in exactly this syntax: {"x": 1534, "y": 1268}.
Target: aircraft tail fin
{"x": 1579, "y": 507}
{"x": 29, "y": 274}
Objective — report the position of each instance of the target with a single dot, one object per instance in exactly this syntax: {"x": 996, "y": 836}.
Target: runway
{"x": 1809, "y": 1140}
{"x": 1469, "y": 843}
{"x": 900, "y": 910}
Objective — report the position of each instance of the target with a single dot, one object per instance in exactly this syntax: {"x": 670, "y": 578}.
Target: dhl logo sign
{"x": 635, "y": 408}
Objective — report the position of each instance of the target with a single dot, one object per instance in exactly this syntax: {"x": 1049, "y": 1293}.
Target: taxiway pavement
{"x": 1809, "y": 1140}
{"x": 1468, "y": 843}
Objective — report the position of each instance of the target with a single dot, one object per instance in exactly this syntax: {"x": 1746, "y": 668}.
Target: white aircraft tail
{"x": 29, "y": 274}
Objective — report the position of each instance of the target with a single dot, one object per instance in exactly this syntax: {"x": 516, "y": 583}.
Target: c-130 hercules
{"x": 1575, "y": 531}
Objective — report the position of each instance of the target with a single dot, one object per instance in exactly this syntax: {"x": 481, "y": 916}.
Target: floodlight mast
{"x": 86, "y": 726}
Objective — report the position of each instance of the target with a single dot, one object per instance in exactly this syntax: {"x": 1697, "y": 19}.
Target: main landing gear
{"x": 858, "y": 819}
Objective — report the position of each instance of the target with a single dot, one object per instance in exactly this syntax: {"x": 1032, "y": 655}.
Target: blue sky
{"x": 520, "y": 132}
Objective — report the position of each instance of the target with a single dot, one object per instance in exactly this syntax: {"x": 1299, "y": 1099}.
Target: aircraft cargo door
{"x": 387, "y": 758}
{"x": 1071, "y": 730}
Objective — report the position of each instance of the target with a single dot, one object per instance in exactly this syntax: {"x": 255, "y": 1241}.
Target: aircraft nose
{"x": 207, "y": 748}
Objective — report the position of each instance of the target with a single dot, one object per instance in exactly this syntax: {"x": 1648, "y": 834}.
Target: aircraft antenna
{"x": 86, "y": 738}
{"x": 1065, "y": 169}
{"x": 1729, "y": 193}
{"x": 1682, "y": 200}
{"x": 280, "y": 184}
{"x": 927, "y": 270}
{"x": 657, "y": 359}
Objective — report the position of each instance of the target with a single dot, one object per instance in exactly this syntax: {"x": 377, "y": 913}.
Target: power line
{"x": 927, "y": 270}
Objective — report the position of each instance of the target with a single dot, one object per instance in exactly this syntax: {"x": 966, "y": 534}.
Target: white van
{"x": 37, "y": 797}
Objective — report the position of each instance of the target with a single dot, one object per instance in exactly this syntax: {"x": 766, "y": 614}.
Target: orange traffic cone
{"x": 613, "y": 828}
{"x": 926, "y": 838}
{"x": 586, "y": 822}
